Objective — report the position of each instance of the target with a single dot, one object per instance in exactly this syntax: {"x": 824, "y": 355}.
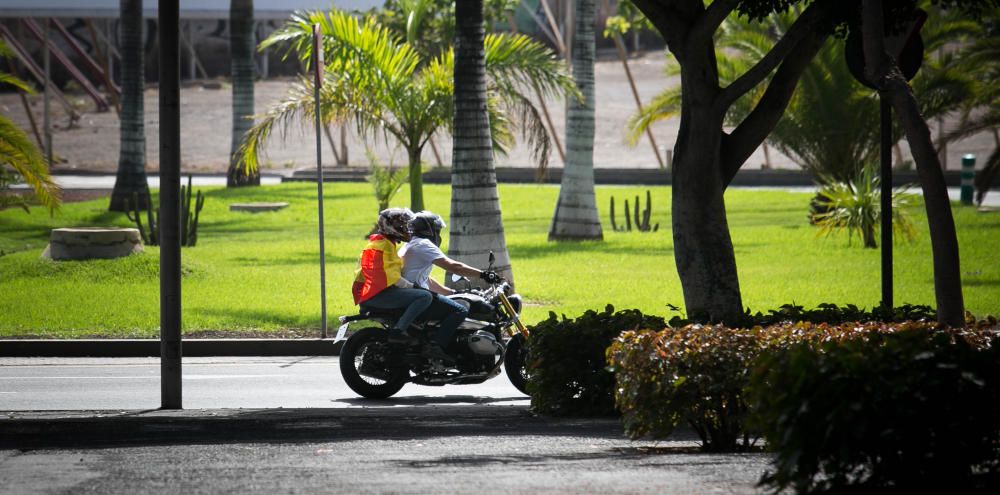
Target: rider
{"x": 378, "y": 283}
{"x": 420, "y": 254}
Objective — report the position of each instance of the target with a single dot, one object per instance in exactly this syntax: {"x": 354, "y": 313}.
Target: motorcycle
{"x": 492, "y": 336}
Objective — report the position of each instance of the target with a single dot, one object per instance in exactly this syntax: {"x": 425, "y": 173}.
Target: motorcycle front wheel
{"x": 367, "y": 367}
{"x": 515, "y": 363}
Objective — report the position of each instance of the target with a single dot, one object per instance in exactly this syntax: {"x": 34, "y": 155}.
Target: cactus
{"x": 614, "y": 226}
{"x": 641, "y": 219}
{"x": 151, "y": 237}
{"x": 189, "y": 222}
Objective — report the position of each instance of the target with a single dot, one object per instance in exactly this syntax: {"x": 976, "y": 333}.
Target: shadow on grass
{"x": 246, "y": 318}
{"x": 989, "y": 282}
{"x": 300, "y": 258}
{"x": 552, "y": 249}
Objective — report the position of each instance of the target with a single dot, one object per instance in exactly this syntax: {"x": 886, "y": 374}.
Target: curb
{"x": 151, "y": 347}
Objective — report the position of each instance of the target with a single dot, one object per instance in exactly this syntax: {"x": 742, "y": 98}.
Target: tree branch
{"x": 741, "y": 143}
{"x": 804, "y": 27}
{"x": 666, "y": 18}
{"x": 710, "y": 20}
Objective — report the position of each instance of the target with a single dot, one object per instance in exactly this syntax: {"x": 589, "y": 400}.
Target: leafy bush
{"x": 824, "y": 313}
{"x": 567, "y": 367}
{"x": 698, "y": 375}
{"x": 855, "y": 207}
{"x": 906, "y": 408}
{"x": 693, "y": 375}
{"x": 385, "y": 181}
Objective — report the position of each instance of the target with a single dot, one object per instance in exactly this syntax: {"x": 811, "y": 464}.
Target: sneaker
{"x": 398, "y": 336}
{"x": 433, "y": 351}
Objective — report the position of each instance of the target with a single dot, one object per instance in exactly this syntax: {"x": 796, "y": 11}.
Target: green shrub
{"x": 824, "y": 313}
{"x": 698, "y": 375}
{"x": 693, "y": 375}
{"x": 567, "y": 364}
{"x": 902, "y": 409}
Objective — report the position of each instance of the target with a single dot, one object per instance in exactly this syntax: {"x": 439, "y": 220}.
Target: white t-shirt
{"x": 419, "y": 255}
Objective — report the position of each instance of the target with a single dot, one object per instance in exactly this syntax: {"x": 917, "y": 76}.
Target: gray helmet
{"x": 427, "y": 225}
{"x": 393, "y": 223}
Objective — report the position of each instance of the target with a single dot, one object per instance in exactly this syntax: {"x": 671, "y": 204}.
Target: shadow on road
{"x": 426, "y": 400}
{"x": 430, "y": 418}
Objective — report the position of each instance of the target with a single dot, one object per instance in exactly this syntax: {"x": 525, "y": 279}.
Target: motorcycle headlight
{"x": 515, "y": 302}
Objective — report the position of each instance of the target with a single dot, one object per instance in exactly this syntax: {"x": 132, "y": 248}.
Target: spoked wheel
{"x": 367, "y": 367}
{"x": 515, "y": 363}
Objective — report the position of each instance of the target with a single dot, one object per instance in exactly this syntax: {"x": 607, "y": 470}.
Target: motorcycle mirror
{"x": 492, "y": 258}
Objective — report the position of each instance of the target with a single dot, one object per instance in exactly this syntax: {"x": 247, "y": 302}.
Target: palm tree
{"x": 20, "y": 160}
{"x": 575, "y": 217}
{"x": 241, "y": 47}
{"x": 131, "y": 178}
{"x": 476, "y": 222}
{"x": 384, "y": 88}
{"x": 981, "y": 60}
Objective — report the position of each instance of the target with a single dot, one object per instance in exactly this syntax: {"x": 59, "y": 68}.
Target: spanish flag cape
{"x": 379, "y": 267}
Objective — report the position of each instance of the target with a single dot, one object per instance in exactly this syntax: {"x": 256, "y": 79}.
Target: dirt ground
{"x": 92, "y": 143}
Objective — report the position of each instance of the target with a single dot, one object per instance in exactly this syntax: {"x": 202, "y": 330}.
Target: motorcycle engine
{"x": 483, "y": 343}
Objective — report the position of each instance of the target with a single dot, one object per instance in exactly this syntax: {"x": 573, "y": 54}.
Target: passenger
{"x": 378, "y": 283}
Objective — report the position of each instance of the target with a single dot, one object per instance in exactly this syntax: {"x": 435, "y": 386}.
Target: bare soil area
{"x": 91, "y": 144}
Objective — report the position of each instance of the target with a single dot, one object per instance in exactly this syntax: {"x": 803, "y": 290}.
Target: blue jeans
{"x": 450, "y": 315}
{"x": 415, "y": 301}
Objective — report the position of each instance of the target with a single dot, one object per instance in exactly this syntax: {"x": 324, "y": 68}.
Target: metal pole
{"x": 886, "y": 200}
{"x": 46, "y": 122}
{"x": 170, "y": 206}
{"x": 317, "y": 82}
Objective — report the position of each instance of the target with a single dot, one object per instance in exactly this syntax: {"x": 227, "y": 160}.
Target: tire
{"x": 369, "y": 347}
{"x": 515, "y": 363}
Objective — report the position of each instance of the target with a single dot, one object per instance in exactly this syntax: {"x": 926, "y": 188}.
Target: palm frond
{"x": 515, "y": 61}
{"x": 18, "y": 153}
{"x": 665, "y": 105}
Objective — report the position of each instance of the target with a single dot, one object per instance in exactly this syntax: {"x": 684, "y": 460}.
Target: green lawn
{"x": 259, "y": 272}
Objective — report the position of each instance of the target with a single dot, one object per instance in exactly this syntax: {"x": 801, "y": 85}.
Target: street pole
{"x": 317, "y": 82}
{"x": 886, "y": 200}
{"x": 170, "y": 206}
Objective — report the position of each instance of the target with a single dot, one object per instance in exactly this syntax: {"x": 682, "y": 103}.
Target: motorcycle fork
{"x": 511, "y": 314}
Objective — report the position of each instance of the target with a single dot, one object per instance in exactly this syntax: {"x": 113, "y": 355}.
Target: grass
{"x": 259, "y": 272}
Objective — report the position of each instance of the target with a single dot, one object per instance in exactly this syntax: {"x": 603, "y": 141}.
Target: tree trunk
{"x": 885, "y": 73}
{"x": 241, "y": 49}
{"x": 416, "y": 179}
{"x": 131, "y": 177}
{"x": 576, "y": 216}
{"x": 703, "y": 249}
{"x": 476, "y": 225}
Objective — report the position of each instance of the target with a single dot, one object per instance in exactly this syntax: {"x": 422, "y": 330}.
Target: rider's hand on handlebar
{"x": 490, "y": 277}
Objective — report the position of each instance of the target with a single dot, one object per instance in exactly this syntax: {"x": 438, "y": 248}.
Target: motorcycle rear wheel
{"x": 515, "y": 363}
{"x": 370, "y": 349}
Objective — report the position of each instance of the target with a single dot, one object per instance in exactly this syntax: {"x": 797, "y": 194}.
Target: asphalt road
{"x": 290, "y": 425}
{"x": 211, "y": 383}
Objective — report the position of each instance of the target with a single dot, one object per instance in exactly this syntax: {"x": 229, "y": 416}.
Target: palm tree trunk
{"x": 241, "y": 49}
{"x": 416, "y": 179}
{"x": 476, "y": 223}
{"x": 576, "y": 217}
{"x": 131, "y": 177}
